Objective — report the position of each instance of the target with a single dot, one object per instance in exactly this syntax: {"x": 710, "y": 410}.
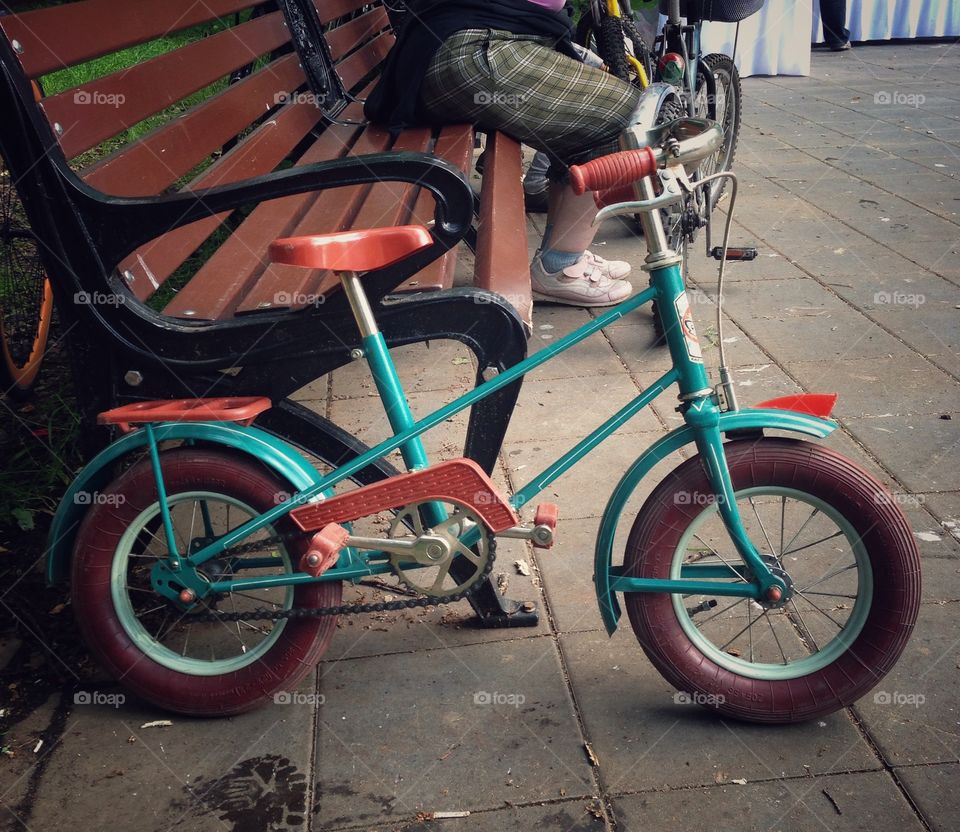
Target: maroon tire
{"x": 283, "y": 653}
{"x": 841, "y": 650}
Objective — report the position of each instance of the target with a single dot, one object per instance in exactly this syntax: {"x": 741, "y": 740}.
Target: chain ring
{"x": 263, "y": 614}
{"x": 409, "y": 519}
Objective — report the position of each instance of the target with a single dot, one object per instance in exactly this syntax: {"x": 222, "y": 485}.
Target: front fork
{"x": 698, "y": 401}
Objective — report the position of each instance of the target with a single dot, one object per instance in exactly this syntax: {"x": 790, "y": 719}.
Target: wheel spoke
{"x": 837, "y": 533}
{"x": 741, "y": 632}
{"x": 836, "y": 623}
{"x": 783, "y": 522}
{"x": 833, "y": 595}
{"x": 776, "y": 638}
{"x": 762, "y": 527}
{"x": 805, "y": 631}
{"x": 813, "y": 513}
{"x": 722, "y": 558}
{"x": 720, "y": 612}
{"x": 826, "y": 578}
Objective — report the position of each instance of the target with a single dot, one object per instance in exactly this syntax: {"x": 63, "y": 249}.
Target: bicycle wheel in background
{"x": 26, "y": 299}
{"x": 841, "y": 545}
{"x": 718, "y": 98}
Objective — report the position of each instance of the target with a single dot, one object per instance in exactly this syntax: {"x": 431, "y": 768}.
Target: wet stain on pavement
{"x": 256, "y": 795}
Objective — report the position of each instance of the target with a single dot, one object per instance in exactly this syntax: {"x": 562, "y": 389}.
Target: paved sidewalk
{"x": 852, "y": 192}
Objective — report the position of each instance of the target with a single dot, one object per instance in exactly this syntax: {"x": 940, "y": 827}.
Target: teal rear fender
{"x": 747, "y": 419}
{"x": 98, "y": 473}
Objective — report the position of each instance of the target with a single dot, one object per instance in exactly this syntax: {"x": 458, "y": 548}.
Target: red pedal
{"x": 461, "y": 480}
{"x": 548, "y": 514}
{"x": 324, "y": 549}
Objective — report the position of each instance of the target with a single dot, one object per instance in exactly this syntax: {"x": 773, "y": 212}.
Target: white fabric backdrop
{"x": 885, "y": 19}
{"x": 774, "y": 41}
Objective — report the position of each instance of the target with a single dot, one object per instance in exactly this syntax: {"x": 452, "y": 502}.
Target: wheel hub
{"x": 776, "y": 598}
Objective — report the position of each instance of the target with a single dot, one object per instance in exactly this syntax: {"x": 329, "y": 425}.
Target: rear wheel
{"x": 830, "y": 531}
{"x": 26, "y": 299}
{"x": 161, "y": 649}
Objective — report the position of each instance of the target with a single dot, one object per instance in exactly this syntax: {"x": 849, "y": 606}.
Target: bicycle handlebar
{"x": 613, "y": 171}
{"x": 684, "y": 142}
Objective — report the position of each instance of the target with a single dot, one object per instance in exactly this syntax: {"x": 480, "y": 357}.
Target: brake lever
{"x": 674, "y": 190}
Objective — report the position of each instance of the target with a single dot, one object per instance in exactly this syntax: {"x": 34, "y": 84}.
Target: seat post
{"x": 359, "y": 304}
{"x": 384, "y": 372}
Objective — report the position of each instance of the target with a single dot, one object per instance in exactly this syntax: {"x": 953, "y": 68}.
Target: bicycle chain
{"x": 263, "y": 614}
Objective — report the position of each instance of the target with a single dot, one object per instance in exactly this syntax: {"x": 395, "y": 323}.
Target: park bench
{"x": 201, "y": 133}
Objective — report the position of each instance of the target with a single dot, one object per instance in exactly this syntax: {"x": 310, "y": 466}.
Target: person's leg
{"x": 555, "y": 104}
{"x": 563, "y": 270}
{"x": 833, "y": 16}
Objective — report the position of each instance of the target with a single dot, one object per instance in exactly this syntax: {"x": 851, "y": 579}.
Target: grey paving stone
{"x": 195, "y": 774}
{"x": 593, "y": 356}
{"x": 881, "y": 387}
{"x": 583, "y": 491}
{"x": 443, "y": 365}
{"x": 314, "y": 392}
{"x": 367, "y": 420}
{"x": 844, "y": 803}
{"x": 567, "y": 571}
{"x": 22, "y": 768}
{"x": 564, "y": 816}
{"x": 913, "y": 714}
{"x": 567, "y": 409}
{"x": 934, "y": 790}
{"x": 945, "y": 507}
{"x": 644, "y": 740}
{"x": 452, "y": 730}
{"x": 921, "y": 450}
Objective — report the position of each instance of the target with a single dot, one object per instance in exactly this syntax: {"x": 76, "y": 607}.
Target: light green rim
{"x": 137, "y": 632}
{"x": 840, "y": 643}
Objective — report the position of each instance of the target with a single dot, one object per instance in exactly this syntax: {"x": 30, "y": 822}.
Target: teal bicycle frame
{"x": 705, "y": 425}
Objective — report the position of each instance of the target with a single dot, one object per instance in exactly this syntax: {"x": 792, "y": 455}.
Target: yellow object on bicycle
{"x": 613, "y": 10}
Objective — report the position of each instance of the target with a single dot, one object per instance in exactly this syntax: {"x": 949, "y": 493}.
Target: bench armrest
{"x": 119, "y": 225}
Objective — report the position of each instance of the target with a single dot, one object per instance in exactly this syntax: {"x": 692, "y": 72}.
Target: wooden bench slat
{"x": 258, "y": 153}
{"x": 96, "y": 111}
{"x": 66, "y": 35}
{"x": 216, "y": 289}
{"x": 361, "y": 63}
{"x": 503, "y": 265}
{"x": 329, "y": 10}
{"x": 333, "y": 211}
{"x": 386, "y": 204}
{"x": 455, "y": 144}
{"x": 348, "y": 37}
{"x": 151, "y": 164}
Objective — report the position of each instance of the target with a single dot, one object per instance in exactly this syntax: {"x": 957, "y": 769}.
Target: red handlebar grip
{"x": 613, "y": 171}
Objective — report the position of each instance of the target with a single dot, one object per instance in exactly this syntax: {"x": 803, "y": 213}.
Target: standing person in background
{"x": 511, "y": 65}
{"x": 833, "y": 16}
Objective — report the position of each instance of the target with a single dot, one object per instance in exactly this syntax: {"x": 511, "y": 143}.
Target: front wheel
{"x": 163, "y": 651}
{"x": 840, "y": 543}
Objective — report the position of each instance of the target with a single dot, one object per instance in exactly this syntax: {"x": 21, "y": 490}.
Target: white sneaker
{"x": 583, "y": 284}
{"x": 617, "y": 269}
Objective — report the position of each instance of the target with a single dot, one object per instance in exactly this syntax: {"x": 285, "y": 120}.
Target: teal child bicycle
{"x": 770, "y": 577}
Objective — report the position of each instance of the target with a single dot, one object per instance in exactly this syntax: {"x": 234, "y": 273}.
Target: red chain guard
{"x": 459, "y": 479}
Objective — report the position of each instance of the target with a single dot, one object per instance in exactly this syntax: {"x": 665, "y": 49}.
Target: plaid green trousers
{"x": 520, "y": 85}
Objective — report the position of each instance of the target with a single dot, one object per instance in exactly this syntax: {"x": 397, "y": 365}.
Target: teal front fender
{"x": 98, "y": 473}
{"x": 747, "y": 419}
